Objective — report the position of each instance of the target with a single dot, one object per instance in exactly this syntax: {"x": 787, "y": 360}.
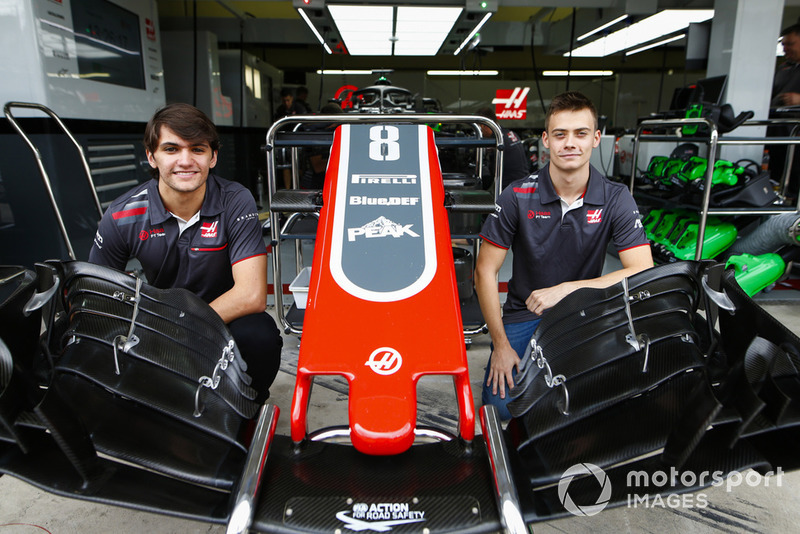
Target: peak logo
{"x": 381, "y": 227}
{"x": 511, "y": 104}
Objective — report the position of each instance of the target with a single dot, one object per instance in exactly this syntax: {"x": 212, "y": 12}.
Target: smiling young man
{"x": 558, "y": 223}
{"x": 192, "y": 229}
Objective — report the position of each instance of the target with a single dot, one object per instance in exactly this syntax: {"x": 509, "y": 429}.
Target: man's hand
{"x": 503, "y": 361}
{"x": 790, "y": 99}
{"x": 542, "y": 299}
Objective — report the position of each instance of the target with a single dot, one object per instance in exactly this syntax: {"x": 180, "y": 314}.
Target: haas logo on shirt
{"x": 594, "y": 216}
{"x": 209, "y": 229}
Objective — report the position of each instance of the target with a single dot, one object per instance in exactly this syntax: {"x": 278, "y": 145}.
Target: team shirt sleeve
{"x": 500, "y": 226}
{"x": 245, "y": 238}
{"x": 109, "y": 247}
{"x": 628, "y": 231}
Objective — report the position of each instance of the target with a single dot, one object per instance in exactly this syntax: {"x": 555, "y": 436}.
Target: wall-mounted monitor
{"x": 84, "y": 59}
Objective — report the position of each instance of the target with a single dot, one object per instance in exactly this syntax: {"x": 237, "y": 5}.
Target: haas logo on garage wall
{"x": 511, "y": 104}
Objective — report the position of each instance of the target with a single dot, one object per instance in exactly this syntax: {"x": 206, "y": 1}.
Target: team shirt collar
{"x": 212, "y": 204}
{"x": 594, "y": 194}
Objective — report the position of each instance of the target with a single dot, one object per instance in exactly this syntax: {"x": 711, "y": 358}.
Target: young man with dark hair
{"x": 192, "y": 229}
{"x": 558, "y": 224}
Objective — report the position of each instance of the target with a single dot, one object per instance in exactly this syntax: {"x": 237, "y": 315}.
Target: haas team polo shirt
{"x": 551, "y": 245}
{"x": 137, "y": 225}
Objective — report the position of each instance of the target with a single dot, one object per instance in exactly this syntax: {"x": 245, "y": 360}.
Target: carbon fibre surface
{"x": 294, "y": 201}
{"x": 666, "y": 361}
{"x": 151, "y": 386}
{"x": 175, "y": 330}
{"x": 117, "y": 484}
{"x": 140, "y": 435}
{"x": 607, "y": 438}
{"x": 159, "y": 350}
{"x": 326, "y": 487}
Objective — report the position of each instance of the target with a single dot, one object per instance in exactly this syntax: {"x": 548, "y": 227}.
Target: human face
{"x": 183, "y": 166}
{"x": 571, "y": 136}
{"x": 791, "y": 47}
{"x": 287, "y": 101}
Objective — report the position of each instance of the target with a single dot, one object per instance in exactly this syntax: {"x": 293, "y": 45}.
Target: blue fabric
{"x": 518, "y": 334}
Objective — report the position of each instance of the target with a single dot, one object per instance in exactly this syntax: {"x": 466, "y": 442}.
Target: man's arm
{"x": 249, "y": 292}
{"x": 504, "y": 358}
{"x": 633, "y": 260}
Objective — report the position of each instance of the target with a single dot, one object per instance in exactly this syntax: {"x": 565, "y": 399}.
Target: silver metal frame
{"x": 243, "y": 498}
{"x": 372, "y": 118}
{"x": 506, "y": 494}
{"x": 713, "y": 141}
{"x": 342, "y": 433}
{"x": 45, "y": 177}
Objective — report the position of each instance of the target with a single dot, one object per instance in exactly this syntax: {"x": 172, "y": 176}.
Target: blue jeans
{"x": 519, "y": 335}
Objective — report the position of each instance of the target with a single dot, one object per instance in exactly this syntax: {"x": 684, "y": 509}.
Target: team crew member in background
{"x": 192, "y": 229}
{"x": 516, "y": 163}
{"x": 558, "y": 224}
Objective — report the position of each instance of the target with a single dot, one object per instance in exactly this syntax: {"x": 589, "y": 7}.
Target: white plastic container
{"x": 299, "y": 288}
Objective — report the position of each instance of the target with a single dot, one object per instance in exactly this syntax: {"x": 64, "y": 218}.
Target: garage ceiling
{"x": 274, "y": 31}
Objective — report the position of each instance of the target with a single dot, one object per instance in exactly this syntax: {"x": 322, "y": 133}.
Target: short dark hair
{"x": 302, "y": 91}
{"x": 487, "y": 112}
{"x": 331, "y": 108}
{"x": 186, "y": 121}
{"x": 569, "y": 101}
{"x": 286, "y": 92}
{"x": 794, "y": 28}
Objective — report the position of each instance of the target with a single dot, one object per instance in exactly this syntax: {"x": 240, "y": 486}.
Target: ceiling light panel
{"x": 365, "y": 30}
{"x": 420, "y": 31}
{"x": 663, "y": 23}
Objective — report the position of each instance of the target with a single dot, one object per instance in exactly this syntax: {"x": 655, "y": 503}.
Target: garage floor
{"x": 776, "y": 508}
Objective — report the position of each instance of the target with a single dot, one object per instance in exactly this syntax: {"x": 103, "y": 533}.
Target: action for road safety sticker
{"x": 396, "y": 515}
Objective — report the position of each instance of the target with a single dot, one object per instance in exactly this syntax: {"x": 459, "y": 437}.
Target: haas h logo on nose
{"x": 385, "y": 361}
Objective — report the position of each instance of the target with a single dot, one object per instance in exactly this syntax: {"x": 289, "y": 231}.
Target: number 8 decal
{"x": 384, "y": 148}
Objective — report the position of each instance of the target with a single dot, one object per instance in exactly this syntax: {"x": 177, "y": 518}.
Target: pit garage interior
{"x": 232, "y": 59}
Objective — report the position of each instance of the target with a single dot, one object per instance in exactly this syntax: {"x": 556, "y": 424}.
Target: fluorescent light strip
{"x": 664, "y": 23}
{"x": 578, "y": 73}
{"x": 313, "y": 29}
{"x": 420, "y": 31}
{"x": 603, "y": 27}
{"x": 653, "y": 45}
{"x": 472, "y": 33}
{"x": 365, "y": 30}
{"x": 343, "y": 71}
{"x": 463, "y": 73}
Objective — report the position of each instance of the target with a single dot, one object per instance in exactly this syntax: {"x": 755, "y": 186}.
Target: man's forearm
{"x": 489, "y": 300}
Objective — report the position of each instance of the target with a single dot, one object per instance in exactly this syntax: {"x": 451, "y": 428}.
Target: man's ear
{"x": 545, "y": 140}
{"x": 213, "y": 162}
{"x": 596, "y": 139}
{"x": 151, "y": 159}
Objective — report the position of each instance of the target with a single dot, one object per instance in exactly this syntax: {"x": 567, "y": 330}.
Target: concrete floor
{"x": 26, "y": 510}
